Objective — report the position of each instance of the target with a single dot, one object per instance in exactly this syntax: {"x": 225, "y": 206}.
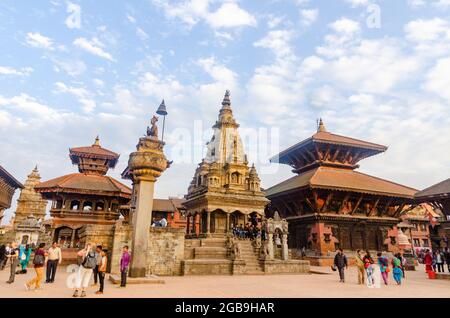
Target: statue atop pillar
{"x": 153, "y": 130}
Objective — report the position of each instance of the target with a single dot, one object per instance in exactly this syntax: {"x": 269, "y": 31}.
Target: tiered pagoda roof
{"x": 93, "y": 163}
{"x": 342, "y": 180}
{"x": 328, "y": 161}
{"x": 85, "y": 183}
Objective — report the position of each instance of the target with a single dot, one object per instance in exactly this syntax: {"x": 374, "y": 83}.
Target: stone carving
{"x": 153, "y": 130}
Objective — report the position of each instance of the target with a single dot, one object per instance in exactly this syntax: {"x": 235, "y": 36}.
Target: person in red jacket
{"x": 428, "y": 260}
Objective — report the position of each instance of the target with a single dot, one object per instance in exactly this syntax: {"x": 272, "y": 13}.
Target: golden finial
{"x": 97, "y": 141}
{"x": 321, "y": 127}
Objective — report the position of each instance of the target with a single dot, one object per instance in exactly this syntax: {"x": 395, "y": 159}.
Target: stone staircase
{"x": 251, "y": 257}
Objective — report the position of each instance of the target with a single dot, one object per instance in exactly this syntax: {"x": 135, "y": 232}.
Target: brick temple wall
{"x": 164, "y": 254}
{"x": 165, "y": 251}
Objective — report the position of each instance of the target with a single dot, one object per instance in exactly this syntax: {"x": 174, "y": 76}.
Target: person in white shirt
{"x": 53, "y": 260}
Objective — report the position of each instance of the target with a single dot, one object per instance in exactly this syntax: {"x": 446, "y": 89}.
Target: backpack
{"x": 39, "y": 259}
{"x": 90, "y": 261}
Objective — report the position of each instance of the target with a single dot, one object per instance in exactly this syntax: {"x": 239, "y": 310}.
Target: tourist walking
{"x": 13, "y": 256}
{"x": 88, "y": 260}
{"x": 25, "y": 258}
{"x": 102, "y": 271}
{"x": 368, "y": 265}
{"x": 360, "y": 267}
{"x": 428, "y": 261}
{"x": 124, "y": 263}
{"x": 447, "y": 258}
{"x": 340, "y": 262}
{"x": 397, "y": 269}
{"x": 439, "y": 260}
{"x": 39, "y": 262}
{"x": 54, "y": 259}
{"x": 98, "y": 251}
{"x": 384, "y": 267}
{"x": 3, "y": 258}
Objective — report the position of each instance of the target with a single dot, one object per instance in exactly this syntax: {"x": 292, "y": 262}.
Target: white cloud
{"x": 190, "y": 12}
{"x": 6, "y": 70}
{"x": 309, "y": 16}
{"x": 278, "y": 41}
{"x": 427, "y": 30}
{"x": 94, "y": 47}
{"x": 71, "y": 67}
{"x": 29, "y": 105}
{"x": 345, "y": 25}
{"x": 82, "y": 95}
{"x": 38, "y": 40}
{"x": 230, "y": 15}
{"x": 438, "y": 79}
{"x": 142, "y": 34}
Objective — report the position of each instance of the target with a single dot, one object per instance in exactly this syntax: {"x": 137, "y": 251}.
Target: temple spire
{"x": 97, "y": 141}
{"x": 226, "y": 103}
{"x": 321, "y": 127}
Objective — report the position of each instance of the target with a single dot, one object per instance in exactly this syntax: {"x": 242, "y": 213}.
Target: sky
{"x": 372, "y": 70}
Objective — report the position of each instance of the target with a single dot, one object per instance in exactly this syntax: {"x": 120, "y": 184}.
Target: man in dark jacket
{"x": 340, "y": 261}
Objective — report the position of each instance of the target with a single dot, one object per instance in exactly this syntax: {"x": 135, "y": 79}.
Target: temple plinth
{"x": 144, "y": 167}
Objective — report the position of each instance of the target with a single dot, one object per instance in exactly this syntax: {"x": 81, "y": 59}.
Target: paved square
{"x": 416, "y": 284}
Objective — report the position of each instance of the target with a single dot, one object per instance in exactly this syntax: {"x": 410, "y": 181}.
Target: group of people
{"x": 91, "y": 261}
{"x": 366, "y": 267}
{"x": 19, "y": 255}
{"x": 159, "y": 222}
{"x": 249, "y": 231}
{"x": 434, "y": 261}
{"x": 8, "y": 252}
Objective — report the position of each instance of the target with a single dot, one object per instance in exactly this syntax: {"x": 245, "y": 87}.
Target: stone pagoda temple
{"x": 329, "y": 204}
{"x": 30, "y": 202}
{"x": 225, "y": 191}
{"x": 85, "y": 205}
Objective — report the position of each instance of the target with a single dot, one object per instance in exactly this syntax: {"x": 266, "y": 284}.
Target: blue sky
{"x": 374, "y": 70}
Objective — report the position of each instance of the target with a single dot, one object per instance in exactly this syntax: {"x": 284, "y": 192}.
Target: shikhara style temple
{"x": 86, "y": 204}
{"x": 225, "y": 191}
{"x": 329, "y": 204}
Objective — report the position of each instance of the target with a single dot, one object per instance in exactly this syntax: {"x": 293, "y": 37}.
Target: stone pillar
{"x": 208, "y": 223}
{"x": 145, "y": 166}
{"x": 270, "y": 246}
{"x": 285, "y": 249}
{"x": 228, "y": 223}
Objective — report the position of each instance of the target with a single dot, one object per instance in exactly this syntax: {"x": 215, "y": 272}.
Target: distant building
{"x": 438, "y": 196}
{"x": 8, "y": 185}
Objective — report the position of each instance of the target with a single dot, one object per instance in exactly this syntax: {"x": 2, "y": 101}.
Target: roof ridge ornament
{"x": 97, "y": 141}
{"x": 321, "y": 126}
